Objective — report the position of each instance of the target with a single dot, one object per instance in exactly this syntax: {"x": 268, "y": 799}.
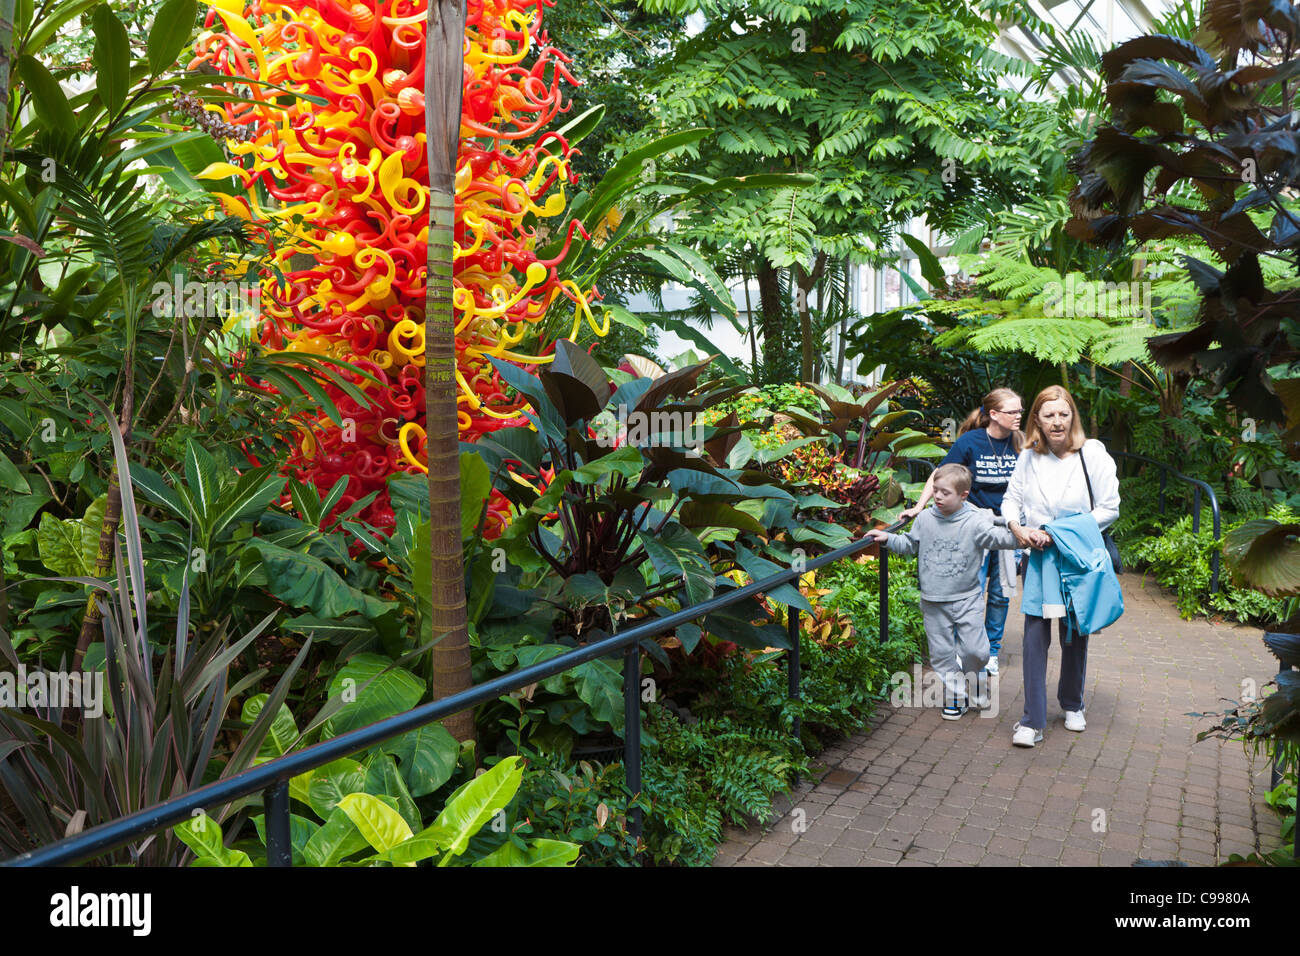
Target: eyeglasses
{"x": 1011, "y": 412}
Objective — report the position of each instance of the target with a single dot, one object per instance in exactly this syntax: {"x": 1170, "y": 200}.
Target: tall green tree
{"x": 445, "y": 38}
{"x": 610, "y": 44}
{"x": 895, "y": 108}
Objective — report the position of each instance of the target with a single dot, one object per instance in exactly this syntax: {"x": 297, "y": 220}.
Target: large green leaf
{"x": 202, "y": 482}
{"x": 626, "y": 461}
{"x": 58, "y": 542}
{"x": 1266, "y": 555}
{"x": 92, "y": 523}
{"x": 112, "y": 58}
{"x": 332, "y": 782}
{"x": 323, "y": 629}
{"x": 578, "y": 128}
{"x": 384, "y": 780}
{"x": 704, "y": 514}
{"x": 614, "y": 184}
{"x": 337, "y": 838}
{"x": 427, "y": 756}
{"x": 47, "y": 98}
{"x": 475, "y": 487}
{"x": 600, "y": 686}
{"x": 202, "y": 834}
{"x": 468, "y": 810}
{"x": 283, "y": 732}
{"x": 250, "y": 496}
{"x": 306, "y": 581}
{"x": 10, "y": 477}
{"x": 931, "y": 268}
{"x": 301, "y": 830}
{"x": 173, "y": 24}
{"x": 373, "y": 689}
{"x": 689, "y": 268}
{"x": 159, "y": 492}
{"x": 539, "y": 853}
{"x": 420, "y": 558}
{"x": 759, "y": 568}
{"x": 678, "y": 555}
{"x": 44, "y": 30}
{"x": 382, "y": 826}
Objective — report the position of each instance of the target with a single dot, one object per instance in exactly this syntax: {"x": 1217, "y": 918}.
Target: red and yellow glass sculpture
{"x": 343, "y": 173}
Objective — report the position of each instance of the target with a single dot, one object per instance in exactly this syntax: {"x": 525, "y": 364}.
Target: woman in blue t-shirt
{"x": 988, "y": 443}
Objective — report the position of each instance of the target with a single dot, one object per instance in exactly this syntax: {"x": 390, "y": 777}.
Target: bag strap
{"x": 1086, "y": 480}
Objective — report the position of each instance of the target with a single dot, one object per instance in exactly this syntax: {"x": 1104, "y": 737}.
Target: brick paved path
{"x": 919, "y": 790}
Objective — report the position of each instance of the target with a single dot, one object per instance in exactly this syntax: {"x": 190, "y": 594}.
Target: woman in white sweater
{"x": 1049, "y": 483}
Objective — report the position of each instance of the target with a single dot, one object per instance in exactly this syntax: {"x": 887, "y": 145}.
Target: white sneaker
{"x": 992, "y": 666}
{"x": 1025, "y": 736}
{"x": 1074, "y": 721}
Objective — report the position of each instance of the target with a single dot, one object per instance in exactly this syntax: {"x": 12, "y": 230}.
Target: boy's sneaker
{"x": 955, "y": 712}
{"x": 1025, "y": 736}
{"x": 992, "y": 666}
{"x": 1074, "y": 721}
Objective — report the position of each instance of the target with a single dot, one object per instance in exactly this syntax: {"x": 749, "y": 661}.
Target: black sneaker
{"x": 955, "y": 713}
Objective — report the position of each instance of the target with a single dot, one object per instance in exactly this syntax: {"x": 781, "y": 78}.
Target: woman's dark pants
{"x": 1074, "y": 667}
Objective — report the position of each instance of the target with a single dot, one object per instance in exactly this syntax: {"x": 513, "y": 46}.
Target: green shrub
{"x": 855, "y": 589}
{"x": 584, "y": 803}
{"x": 1179, "y": 559}
{"x": 698, "y": 776}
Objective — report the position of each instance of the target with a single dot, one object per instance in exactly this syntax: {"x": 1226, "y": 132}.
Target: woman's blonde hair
{"x": 1035, "y": 439}
{"x": 993, "y": 401}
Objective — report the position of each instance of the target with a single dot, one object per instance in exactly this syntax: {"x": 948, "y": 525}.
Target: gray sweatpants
{"x": 1074, "y": 669}
{"x": 959, "y": 645}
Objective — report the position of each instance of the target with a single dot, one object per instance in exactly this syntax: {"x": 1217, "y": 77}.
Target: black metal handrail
{"x": 1197, "y": 486}
{"x": 272, "y": 778}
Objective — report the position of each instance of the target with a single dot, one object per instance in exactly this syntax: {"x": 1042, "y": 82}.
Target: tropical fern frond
{"x": 1125, "y": 343}
{"x": 1051, "y": 340}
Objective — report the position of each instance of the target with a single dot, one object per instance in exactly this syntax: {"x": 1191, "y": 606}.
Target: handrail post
{"x": 632, "y": 733}
{"x": 1214, "y": 555}
{"x": 279, "y": 841}
{"x": 1196, "y": 508}
{"x": 884, "y": 594}
{"x": 792, "y": 630}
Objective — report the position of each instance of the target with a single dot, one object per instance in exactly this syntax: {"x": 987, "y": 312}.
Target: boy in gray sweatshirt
{"x": 950, "y": 539}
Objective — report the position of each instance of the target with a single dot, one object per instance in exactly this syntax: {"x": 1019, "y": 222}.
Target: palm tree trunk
{"x": 444, "y": 40}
